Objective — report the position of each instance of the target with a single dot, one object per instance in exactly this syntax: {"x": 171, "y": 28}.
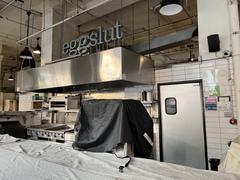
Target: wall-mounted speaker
{"x": 213, "y": 43}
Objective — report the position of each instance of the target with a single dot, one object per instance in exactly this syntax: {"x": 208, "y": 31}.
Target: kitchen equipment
{"x": 4, "y": 96}
{"x": 73, "y": 103}
{"x": 113, "y": 68}
{"x": 58, "y": 103}
{"x": 9, "y": 124}
{"x": 10, "y": 105}
{"x": 149, "y": 96}
{"x": 112, "y": 123}
{"x": 37, "y": 104}
{"x": 144, "y": 96}
{"x": 49, "y": 131}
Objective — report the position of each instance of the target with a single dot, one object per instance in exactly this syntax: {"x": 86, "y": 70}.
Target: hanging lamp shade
{"x": 11, "y": 78}
{"x": 170, "y": 7}
{"x": 26, "y": 54}
{"x": 195, "y": 35}
{"x": 37, "y": 49}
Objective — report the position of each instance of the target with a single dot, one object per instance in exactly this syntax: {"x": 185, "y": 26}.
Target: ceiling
{"x": 141, "y": 22}
{"x": 134, "y": 19}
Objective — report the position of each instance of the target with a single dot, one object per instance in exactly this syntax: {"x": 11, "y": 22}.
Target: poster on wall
{"x": 211, "y": 103}
{"x": 224, "y": 103}
{"x": 214, "y": 90}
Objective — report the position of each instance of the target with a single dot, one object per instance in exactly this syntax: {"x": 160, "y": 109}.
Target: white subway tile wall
{"x": 213, "y": 73}
{"x": 25, "y": 102}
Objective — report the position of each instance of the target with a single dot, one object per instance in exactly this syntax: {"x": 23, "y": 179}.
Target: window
{"x": 171, "y": 106}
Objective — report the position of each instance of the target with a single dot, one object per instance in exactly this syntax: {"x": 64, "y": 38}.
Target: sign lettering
{"x": 82, "y": 44}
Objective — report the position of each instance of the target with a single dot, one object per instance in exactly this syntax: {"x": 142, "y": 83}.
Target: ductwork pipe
{"x": 235, "y": 35}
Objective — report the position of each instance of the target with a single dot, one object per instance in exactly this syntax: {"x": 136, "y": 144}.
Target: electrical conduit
{"x": 235, "y": 37}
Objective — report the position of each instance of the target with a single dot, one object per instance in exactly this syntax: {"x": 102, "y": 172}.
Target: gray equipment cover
{"x": 102, "y": 125}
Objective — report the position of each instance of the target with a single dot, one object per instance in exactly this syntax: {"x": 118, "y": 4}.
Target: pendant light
{"x": 37, "y": 49}
{"x": 170, "y": 7}
{"x": 11, "y": 78}
{"x": 26, "y": 53}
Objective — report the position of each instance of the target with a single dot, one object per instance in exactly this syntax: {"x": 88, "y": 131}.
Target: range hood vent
{"x": 113, "y": 68}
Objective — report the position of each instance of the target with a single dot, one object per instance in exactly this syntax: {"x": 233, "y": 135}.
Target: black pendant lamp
{"x": 11, "y": 78}
{"x": 37, "y": 49}
{"x": 170, "y": 7}
{"x": 26, "y": 53}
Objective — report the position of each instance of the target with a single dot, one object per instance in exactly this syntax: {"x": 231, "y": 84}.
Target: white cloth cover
{"x": 231, "y": 162}
{"x": 39, "y": 160}
{"x": 237, "y": 140}
{"x": 5, "y": 138}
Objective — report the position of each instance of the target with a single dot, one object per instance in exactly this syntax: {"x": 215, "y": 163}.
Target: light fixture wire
{"x": 148, "y": 5}
{"x": 133, "y": 24}
{"x": 77, "y": 7}
{"x": 32, "y": 28}
{"x": 28, "y": 21}
{"x": 123, "y": 38}
{"x": 21, "y": 22}
{"x": 44, "y": 14}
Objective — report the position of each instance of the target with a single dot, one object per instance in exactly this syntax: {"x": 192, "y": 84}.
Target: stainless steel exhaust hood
{"x": 113, "y": 68}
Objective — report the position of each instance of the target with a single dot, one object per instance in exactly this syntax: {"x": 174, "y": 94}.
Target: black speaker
{"x": 213, "y": 43}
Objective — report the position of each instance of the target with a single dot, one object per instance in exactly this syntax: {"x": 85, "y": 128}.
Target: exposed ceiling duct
{"x": 162, "y": 42}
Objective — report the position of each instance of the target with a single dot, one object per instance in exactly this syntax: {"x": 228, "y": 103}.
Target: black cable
{"x": 120, "y": 168}
{"x": 126, "y": 165}
{"x": 77, "y": 7}
{"x": 28, "y": 21}
{"x": 149, "y": 33}
{"x": 21, "y": 22}
{"x": 44, "y": 14}
{"x": 133, "y": 24}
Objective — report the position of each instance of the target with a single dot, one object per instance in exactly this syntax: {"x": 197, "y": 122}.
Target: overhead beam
{"x": 5, "y": 7}
{"x": 162, "y": 42}
{"x": 63, "y": 21}
{"x": 21, "y": 8}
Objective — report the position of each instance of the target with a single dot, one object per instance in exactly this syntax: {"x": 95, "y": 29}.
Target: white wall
{"x": 5, "y": 96}
{"x": 47, "y": 38}
{"x": 69, "y": 33}
{"x": 215, "y": 72}
{"x": 51, "y": 43}
{"x": 213, "y": 18}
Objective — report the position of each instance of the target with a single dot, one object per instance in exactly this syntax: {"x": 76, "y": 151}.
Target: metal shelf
{"x": 14, "y": 113}
{"x": 147, "y": 102}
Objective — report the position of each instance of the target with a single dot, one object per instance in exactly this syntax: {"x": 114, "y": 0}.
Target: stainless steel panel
{"x": 162, "y": 42}
{"x": 114, "y": 67}
{"x": 73, "y": 102}
{"x": 58, "y": 103}
{"x": 49, "y": 131}
{"x": 182, "y": 133}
